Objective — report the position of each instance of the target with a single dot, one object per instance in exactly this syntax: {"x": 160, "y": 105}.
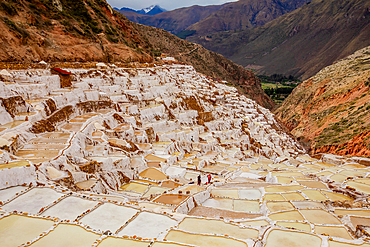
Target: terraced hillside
{"x": 122, "y": 157}
{"x": 331, "y": 110}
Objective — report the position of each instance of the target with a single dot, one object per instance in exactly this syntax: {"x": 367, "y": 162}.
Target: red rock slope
{"x": 330, "y": 112}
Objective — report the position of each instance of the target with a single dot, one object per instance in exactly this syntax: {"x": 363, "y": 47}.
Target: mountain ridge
{"x": 299, "y": 43}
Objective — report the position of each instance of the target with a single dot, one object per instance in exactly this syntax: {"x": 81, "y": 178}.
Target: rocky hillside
{"x": 85, "y": 31}
{"x": 330, "y": 112}
{"x": 176, "y": 20}
{"x": 244, "y": 14}
{"x": 299, "y": 43}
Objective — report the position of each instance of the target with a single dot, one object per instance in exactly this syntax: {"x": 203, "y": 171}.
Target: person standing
{"x": 209, "y": 178}
{"x": 199, "y": 179}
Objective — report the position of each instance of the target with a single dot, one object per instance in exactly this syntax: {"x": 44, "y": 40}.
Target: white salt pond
{"x": 108, "y": 217}
{"x": 33, "y": 201}
{"x": 147, "y": 225}
{"x": 75, "y": 205}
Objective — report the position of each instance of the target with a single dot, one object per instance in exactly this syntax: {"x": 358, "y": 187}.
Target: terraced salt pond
{"x": 121, "y": 168}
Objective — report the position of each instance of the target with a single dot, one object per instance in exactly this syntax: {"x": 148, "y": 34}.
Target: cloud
{"x": 167, "y": 4}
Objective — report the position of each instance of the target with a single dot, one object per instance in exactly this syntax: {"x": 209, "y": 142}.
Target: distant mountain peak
{"x": 148, "y": 9}
{"x": 151, "y": 10}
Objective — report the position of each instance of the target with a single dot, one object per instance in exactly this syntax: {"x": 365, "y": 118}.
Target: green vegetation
{"x": 278, "y": 86}
{"x": 186, "y": 33}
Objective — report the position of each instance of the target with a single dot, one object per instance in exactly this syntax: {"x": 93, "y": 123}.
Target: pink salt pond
{"x": 171, "y": 199}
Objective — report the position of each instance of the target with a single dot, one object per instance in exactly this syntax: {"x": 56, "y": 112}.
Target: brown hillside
{"x": 330, "y": 112}
{"x": 245, "y": 14}
{"x": 299, "y": 43}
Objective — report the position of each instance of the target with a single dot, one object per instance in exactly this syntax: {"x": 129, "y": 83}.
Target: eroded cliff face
{"x": 330, "y": 111}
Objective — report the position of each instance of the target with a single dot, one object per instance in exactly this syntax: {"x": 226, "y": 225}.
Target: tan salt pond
{"x": 352, "y": 173}
{"x": 140, "y": 188}
{"x": 12, "y": 124}
{"x": 279, "y": 206}
{"x": 308, "y": 204}
{"x": 14, "y": 164}
{"x": 118, "y": 242}
{"x": 171, "y": 199}
{"x": 357, "y": 212}
{"x": 314, "y": 195}
{"x": 313, "y": 184}
{"x": 154, "y": 174}
{"x": 216, "y": 227}
{"x": 363, "y": 221}
{"x": 284, "y": 180}
{"x": 336, "y": 196}
{"x": 246, "y": 206}
{"x": 192, "y": 189}
{"x": 307, "y": 158}
{"x": 273, "y": 197}
{"x": 72, "y": 126}
{"x": 296, "y": 225}
{"x": 293, "y": 196}
{"x": 225, "y": 193}
{"x": 154, "y": 190}
{"x": 324, "y": 174}
{"x": 284, "y": 238}
{"x": 284, "y": 188}
{"x": 87, "y": 184}
{"x": 359, "y": 186}
{"x": 338, "y": 178}
{"x": 353, "y": 166}
{"x": 319, "y": 216}
{"x": 254, "y": 223}
{"x": 152, "y": 157}
{"x": 170, "y": 184}
{"x": 37, "y": 153}
{"x": 290, "y": 215}
{"x": 333, "y": 231}
{"x": 16, "y": 230}
{"x": 77, "y": 236}
{"x": 363, "y": 180}
{"x": 203, "y": 240}
{"x": 287, "y": 174}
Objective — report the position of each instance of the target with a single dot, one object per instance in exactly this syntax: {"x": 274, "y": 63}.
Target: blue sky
{"x": 166, "y": 4}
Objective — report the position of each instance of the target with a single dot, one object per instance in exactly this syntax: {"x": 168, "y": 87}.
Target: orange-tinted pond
{"x": 170, "y": 184}
{"x": 153, "y": 173}
{"x": 171, "y": 199}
